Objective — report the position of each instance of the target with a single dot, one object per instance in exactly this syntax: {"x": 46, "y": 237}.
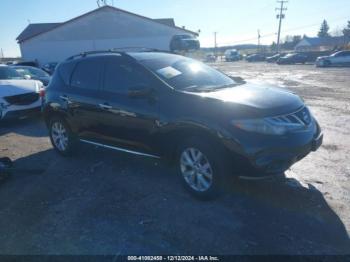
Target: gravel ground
{"x": 103, "y": 202}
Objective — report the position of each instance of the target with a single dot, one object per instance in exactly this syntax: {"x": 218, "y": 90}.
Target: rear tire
{"x": 61, "y": 136}
{"x": 201, "y": 168}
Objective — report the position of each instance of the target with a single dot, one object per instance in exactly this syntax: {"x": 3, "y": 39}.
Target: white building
{"x": 101, "y": 29}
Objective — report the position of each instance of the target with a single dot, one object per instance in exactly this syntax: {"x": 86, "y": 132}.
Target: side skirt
{"x": 119, "y": 149}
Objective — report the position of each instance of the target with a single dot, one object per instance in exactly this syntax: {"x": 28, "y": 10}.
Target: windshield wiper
{"x": 205, "y": 88}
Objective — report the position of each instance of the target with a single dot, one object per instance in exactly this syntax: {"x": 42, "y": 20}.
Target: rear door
{"x": 82, "y": 97}
{"x": 128, "y": 122}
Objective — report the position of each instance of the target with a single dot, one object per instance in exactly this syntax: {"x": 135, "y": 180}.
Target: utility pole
{"x": 215, "y": 43}
{"x": 280, "y": 16}
{"x": 259, "y": 36}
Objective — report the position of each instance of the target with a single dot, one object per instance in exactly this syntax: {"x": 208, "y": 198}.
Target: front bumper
{"x": 268, "y": 155}
{"x": 20, "y": 114}
{"x": 277, "y": 161}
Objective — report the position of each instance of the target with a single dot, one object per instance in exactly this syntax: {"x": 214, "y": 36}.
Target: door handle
{"x": 105, "y": 106}
{"x": 64, "y": 98}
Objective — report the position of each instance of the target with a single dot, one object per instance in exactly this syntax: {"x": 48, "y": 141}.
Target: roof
{"x": 166, "y": 21}
{"x": 325, "y": 41}
{"x": 33, "y": 30}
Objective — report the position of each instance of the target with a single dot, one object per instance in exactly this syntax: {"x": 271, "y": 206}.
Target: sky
{"x": 235, "y": 21}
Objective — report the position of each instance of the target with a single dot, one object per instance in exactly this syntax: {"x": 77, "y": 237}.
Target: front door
{"x": 128, "y": 121}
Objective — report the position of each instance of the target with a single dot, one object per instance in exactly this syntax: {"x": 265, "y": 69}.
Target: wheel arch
{"x": 173, "y": 136}
{"x": 50, "y": 113}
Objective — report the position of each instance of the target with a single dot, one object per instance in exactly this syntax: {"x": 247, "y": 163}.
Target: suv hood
{"x": 17, "y": 87}
{"x": 265, "y": 100}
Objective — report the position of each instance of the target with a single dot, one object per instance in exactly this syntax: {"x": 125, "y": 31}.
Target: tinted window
{"x": 342, "y": 53}
{"x": 65, "y": 71}
{"x": 121, "y": 75}
{"x": 87, "y": 74}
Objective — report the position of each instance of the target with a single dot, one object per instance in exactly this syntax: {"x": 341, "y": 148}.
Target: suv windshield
{"x": 7, "y": 73}
{"x": 183, "y": 73}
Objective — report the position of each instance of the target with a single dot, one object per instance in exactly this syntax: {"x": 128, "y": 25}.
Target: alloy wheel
{"x": 59, "y": 136}
{"x": 196, "y": 169}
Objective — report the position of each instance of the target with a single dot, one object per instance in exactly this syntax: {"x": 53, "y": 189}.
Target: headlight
{"x": 267, "y": 126}
{"x": 3, "y": 105}
{"x": 38, "y": 85}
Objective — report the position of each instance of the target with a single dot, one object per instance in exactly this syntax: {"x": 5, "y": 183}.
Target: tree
{"x": 291, "y": 41}
{"x": 324, "y": 29}
{"x": 273, "y": 47}
{"x": 346, "y": 31}
{"x": 297, "y": 39}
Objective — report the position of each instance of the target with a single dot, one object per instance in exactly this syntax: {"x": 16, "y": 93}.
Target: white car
{"x": 341, "y": 58}
{"x": 19, "y": 97}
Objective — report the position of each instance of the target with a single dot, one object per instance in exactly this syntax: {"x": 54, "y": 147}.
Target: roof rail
{"x": 139, "y": 49}
{"x": 121, "y": 51}
{"x": 84, "y": 54}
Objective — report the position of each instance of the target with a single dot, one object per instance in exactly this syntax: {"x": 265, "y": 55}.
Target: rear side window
{"x": 87, "y": 74}
{"x": 65, "y": 70}
{"x": 121, "y": 75}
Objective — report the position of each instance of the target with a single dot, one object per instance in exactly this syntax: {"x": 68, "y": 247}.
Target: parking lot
{"x": 103, "y": 202}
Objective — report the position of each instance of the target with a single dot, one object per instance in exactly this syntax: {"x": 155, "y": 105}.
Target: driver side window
{"x": 121, "y": 75}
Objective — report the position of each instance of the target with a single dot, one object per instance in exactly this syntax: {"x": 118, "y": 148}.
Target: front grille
{"x": 302, "y": 116}
{"x": 22, "y": 100}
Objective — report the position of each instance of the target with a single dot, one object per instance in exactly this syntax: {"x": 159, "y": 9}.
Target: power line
{"x": 280, "y": 16}
{"x": 285, "y": 31}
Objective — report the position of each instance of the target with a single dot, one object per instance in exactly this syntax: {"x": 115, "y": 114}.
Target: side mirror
{"x": 27, "y": 77}
{"x": 140, "y": 91}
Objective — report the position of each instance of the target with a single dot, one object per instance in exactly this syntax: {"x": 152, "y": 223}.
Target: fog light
{"x": 3, "y": 106}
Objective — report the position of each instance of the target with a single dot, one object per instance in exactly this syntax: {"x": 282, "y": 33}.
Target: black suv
{"x": 162, "y": 105}
{"x": 184, "y": 43}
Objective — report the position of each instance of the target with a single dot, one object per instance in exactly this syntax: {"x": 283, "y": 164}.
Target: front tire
{"x": 201, "y": 168}
{"x": 61, "y": 136}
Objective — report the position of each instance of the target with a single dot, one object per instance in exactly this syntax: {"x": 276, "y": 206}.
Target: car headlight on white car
{"x": 267, "y": 126}
{"x": 3, "y": 107}
{"x": 39, "y": 85}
